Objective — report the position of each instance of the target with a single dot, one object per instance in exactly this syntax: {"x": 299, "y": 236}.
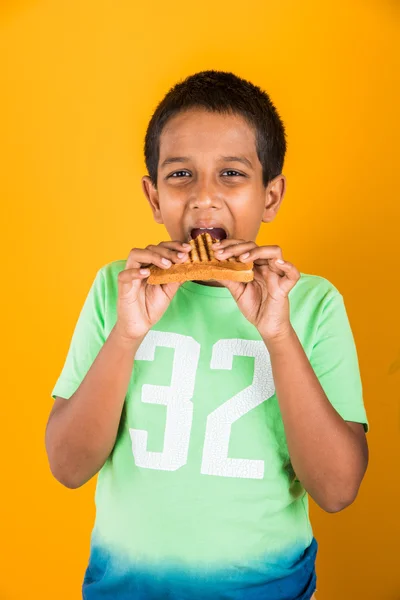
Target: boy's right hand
{"x": 141, "y": 305}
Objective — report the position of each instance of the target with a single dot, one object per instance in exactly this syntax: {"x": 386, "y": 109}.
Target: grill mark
{"x": 195, "y": 252}
{"x": 202, "y": 250}
{"x": 208, "y": 250}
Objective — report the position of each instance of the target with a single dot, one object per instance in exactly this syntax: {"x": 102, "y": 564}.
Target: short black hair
{"x": 225, "y": 93}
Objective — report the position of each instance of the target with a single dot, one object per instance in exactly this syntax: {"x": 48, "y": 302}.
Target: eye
{"x": 235, "y": 173}
{"x": 176, "y": 173}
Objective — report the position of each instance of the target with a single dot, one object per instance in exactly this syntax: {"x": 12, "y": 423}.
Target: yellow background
{"x": 79, "y": 82}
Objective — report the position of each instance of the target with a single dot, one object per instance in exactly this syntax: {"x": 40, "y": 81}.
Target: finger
{"x": 176, "y": 245}
{"x": 271, "y": 264}
{"x": 234, "y": 250}
{"x": 262, "y": 254}
{"x": 290, "y": 278}
{"x": 235, "y": 287}
{"x": 169, "y": 251}
{"x": 130, "y": 279}
{"x": 226, "y": 242}
{"x": 265, "y": 273}
{"x": 170, "y": 289}
{"x": 139, "y": 257}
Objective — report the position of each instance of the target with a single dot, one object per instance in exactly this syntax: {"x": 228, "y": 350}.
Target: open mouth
{"x": 217, "y": 233}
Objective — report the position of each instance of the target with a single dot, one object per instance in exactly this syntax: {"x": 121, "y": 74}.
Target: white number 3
{"x": 178, "y": 399}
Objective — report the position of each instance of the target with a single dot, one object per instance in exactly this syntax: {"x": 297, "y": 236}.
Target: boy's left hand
{"x": 264, "y": 301}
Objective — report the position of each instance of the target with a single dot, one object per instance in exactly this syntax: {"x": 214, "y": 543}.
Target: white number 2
{"x": 178, "y": 399}
{"x": 219, "y": 422}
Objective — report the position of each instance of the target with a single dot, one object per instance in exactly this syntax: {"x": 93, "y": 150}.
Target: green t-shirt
{"x": 198, "y": 495}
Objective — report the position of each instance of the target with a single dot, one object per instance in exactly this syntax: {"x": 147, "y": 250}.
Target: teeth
{"x": 203, "y": 229}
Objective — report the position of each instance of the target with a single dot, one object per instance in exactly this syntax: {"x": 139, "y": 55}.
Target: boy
{"x": 210, "y": 409}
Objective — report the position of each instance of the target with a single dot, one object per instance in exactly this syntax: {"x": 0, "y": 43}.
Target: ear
{"x": 151, "y": 193}
{"x": 274, "y": 194}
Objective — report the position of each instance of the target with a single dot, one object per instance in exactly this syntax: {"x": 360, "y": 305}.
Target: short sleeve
{"x": 335, "y": 361}
{"x": 87, "y": 340}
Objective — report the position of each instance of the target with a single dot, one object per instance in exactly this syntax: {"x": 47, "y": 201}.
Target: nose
{"x": 204, "y": 196}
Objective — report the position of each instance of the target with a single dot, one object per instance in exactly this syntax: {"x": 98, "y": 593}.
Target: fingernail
{"x": 181, "y": 254}
{"x": 165, "y": 261}
{"x": 245, "y": 255}
{"x": 219, "y": 252}
{"x": 186, "y": 245}
{"x": 280, "y": 261}
{"x": 144, "y": 271}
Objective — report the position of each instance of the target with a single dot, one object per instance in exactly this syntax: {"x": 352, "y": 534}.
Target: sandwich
{"x": 202, "y": 265}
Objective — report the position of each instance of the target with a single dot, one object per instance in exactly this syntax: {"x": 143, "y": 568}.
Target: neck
{"x": 209, "y": 282}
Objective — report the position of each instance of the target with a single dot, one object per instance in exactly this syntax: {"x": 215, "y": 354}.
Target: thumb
{"x": 233, "y": 286}
{"x": 170, "y": 289}
{"x": 129, "y": 282}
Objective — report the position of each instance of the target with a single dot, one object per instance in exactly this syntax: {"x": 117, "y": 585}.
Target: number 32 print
{"x": 177, "y": 398}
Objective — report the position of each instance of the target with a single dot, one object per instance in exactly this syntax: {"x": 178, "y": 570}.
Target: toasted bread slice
{"x": 202, "y": 265}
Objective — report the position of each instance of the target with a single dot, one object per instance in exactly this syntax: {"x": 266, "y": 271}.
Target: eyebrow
{"x": 241, "y": 159}
{"x": 176, "y": 159}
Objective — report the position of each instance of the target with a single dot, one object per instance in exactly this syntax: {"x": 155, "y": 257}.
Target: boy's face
{"x": 202, "y": 185}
